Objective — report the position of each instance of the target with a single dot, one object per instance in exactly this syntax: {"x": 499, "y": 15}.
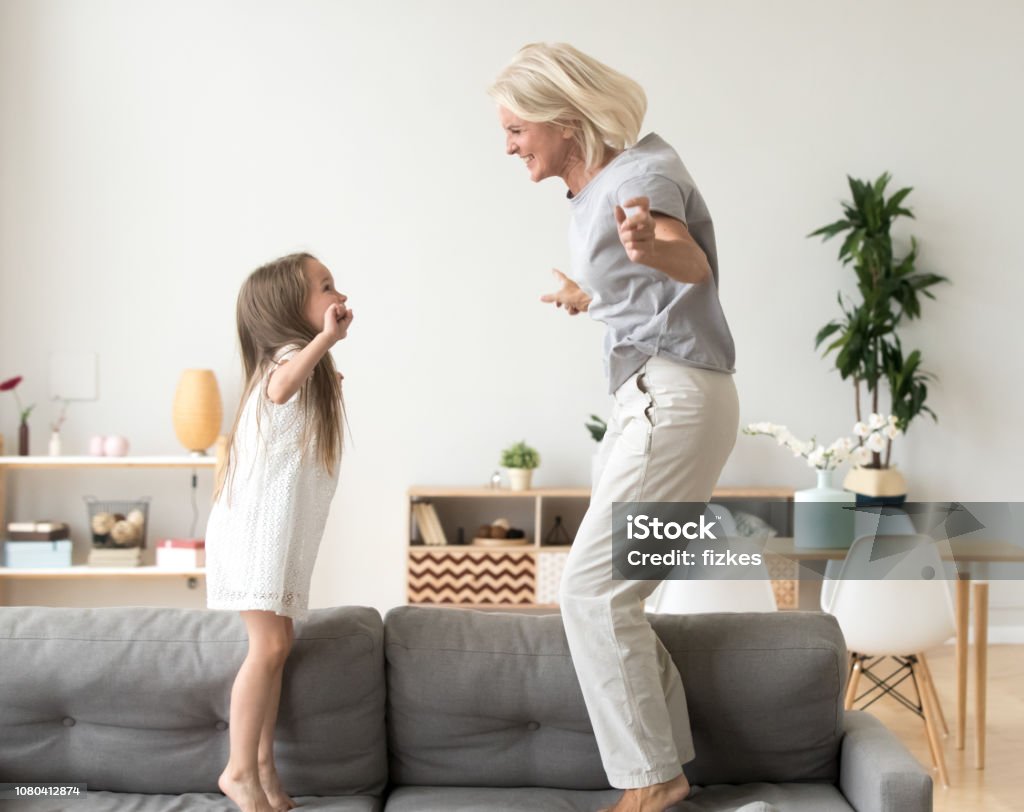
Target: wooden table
{"x": 966, "y": 552}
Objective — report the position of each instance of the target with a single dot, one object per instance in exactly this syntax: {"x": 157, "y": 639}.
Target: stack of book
{"x": 35, "y": 545}
{"x": 429, "y": 524}
{"x": 115, "y": 557}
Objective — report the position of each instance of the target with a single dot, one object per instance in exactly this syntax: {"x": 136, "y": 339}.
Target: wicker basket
{"x": 118, "y": 523}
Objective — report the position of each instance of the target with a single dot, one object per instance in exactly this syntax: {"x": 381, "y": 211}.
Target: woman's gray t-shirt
{"x": 646, "y": 313}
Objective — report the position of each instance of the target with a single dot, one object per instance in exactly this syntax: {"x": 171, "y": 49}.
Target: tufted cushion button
{"x": 533, "y": 726}
{"x": 69, "y": 722}
{"x": 222, "y": 725}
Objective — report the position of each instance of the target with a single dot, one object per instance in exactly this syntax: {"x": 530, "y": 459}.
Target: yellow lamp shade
{"x": 197, "y": 410}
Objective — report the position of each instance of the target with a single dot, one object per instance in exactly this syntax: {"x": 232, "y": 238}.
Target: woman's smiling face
{"x": 547, "y": 149}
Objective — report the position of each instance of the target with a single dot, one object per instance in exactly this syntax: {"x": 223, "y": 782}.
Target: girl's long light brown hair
{"x": 270, "y": 316}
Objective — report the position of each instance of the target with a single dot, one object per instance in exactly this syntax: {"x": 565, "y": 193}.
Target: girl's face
{"x": 547, "y": 149}
{"x": 320, "y": 294}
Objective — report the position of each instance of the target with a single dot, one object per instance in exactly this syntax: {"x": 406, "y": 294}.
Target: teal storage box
{"x": 37, "y": 554}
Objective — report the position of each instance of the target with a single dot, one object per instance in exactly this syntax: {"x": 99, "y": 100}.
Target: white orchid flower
{"x": 861, "y": 429}
{"x": 876, "y": 421}
{"x": 876, "y": 442}
{"x": 861, "y": 455}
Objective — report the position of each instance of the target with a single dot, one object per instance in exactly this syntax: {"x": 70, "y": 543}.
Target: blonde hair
{"x": 554, "y": 83}
{"x": 270, "y": 315}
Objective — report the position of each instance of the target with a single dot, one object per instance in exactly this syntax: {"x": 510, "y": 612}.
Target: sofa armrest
{"x": 876, "y": 771}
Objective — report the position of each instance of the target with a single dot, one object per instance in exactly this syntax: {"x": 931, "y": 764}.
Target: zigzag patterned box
{"x": 471, "y": 577}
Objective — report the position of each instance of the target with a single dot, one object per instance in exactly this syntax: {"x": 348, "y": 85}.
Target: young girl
{"x": 272, "y": 497}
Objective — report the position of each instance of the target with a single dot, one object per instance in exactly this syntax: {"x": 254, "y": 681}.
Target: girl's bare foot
{"x": 245, "y": 791}
{"x": 275, "y": 794}
{"x": 656, "y": 798}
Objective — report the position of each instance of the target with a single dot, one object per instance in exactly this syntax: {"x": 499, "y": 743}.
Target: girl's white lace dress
{"x": 264, "y": 531}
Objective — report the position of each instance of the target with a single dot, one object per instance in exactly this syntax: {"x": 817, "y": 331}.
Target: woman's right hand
{"x": 337, "y": 319}
{"x": 570, "y": 295}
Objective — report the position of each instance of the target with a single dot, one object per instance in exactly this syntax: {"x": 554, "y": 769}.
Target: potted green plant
{"x": 520, "y": 460}
{"x": 868, "y": 349}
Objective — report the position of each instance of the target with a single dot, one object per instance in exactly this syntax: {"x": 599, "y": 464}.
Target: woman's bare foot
{"x": 275, "y": 794}
{"x": 245, "y": 791}
{"x": 656, "y": 798}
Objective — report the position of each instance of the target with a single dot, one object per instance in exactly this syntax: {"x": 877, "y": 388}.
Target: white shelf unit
{"x": 15, "y": 463}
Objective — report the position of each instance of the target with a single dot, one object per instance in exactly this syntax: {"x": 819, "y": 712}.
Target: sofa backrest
{"x": 491, "y": 699}
{"x": 134, "y": 699}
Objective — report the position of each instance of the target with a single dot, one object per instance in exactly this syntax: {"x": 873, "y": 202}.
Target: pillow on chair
{"x": 747, "y": 524}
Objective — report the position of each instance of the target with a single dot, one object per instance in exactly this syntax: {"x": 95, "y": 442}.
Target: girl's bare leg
{"x": 265, "y": 759}
{"x": 250, "y": 698}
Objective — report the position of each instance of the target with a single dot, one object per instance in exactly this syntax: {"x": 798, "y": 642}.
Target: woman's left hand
{"x": 637, "y": 232}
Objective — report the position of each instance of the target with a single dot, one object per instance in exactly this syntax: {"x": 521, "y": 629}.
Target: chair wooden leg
{"x": 929, "y": 725}
{"x": 851, "y": 688}
{"x": 934, "y": 694}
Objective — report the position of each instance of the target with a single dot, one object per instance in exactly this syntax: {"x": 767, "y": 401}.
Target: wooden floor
{"x": 1000, "y": 786}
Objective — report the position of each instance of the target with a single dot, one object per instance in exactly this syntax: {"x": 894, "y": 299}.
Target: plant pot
{"x": 519, "y": 478}
{"x": 823, "y": 515}
{"x": 876, "y": 486}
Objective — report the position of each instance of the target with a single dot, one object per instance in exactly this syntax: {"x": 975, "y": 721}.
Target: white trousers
{"x": 670, "y": 433}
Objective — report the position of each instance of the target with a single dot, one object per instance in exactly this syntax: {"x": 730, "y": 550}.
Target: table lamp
{"x": 197, "y": 410}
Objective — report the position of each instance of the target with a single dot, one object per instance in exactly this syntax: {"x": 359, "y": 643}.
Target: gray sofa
{"x": 431, "y": 710}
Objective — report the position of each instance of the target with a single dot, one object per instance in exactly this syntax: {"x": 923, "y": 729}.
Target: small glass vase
{"x": 823, "y": 515}
{"x": 23, "y": 439}
{"x": 54, "y": 447}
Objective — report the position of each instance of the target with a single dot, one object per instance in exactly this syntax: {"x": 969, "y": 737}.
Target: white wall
{"x": 154, "y": 153}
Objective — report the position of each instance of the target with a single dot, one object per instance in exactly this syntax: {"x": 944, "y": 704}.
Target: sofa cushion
{"x": 489, "y": 699}
{"x": 745, "y": 798}
{"x": 189, "y": 802}
{"x": 134, "y": 699}
{"x": 765, "y": 694}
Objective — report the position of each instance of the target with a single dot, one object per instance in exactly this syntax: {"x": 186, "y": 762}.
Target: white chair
{"x": 893, "y": 602}
{"x": 708, "y": 589}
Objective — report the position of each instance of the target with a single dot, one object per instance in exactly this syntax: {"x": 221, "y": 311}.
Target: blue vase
{"x": 823, "y": 515}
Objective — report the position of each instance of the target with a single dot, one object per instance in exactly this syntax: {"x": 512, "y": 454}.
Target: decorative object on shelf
{"x": 499, "y": 533}
{"x": 557, "y": 535}
{"x": 54, "y": 447}
{"x": 197, "y": 410}
{"x": 520, "y": 460}
{"x": 181, "y": 553}
{"x": 496, "y": 480}
{"x": 11, "y": 385}
{"x": 868, "y": 348}
{"x": 115, "y": 557}
{"x": 117, "y": 523}
{"x": 37, "y": 545}
{"x": 500, "y": 542}
{"x": 114, "y": 445}
{"x": 96, "y": 445}
{"x": 37, "y": 554}
{"x": 37, "y": 531}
